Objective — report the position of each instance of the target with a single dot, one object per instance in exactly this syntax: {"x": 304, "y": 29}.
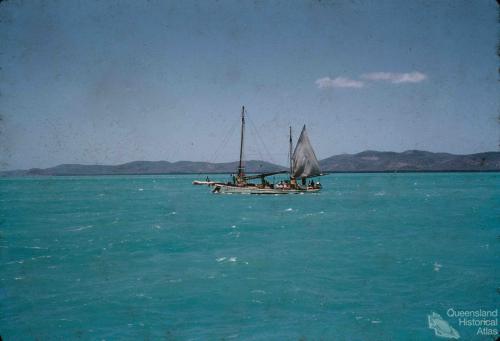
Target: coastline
{"x": 250, "y": 173}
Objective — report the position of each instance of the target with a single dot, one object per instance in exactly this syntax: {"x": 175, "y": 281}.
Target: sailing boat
{"x": 303, "y": 165}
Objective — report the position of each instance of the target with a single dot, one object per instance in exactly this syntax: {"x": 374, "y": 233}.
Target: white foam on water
{"x": 233, "y": 226}
{"x": 221, "y": 259}
{"x": 258, "y": 291}
{"x": 141, "y": 189}
{"x": 35, "y": 247}
{"x": 156, "y": 226}
{"x": 376, "y": 321}
{"x": 16, "y": 261}
{"x": 39, "y": 257}
{"x": 437, "y": 266}
{"x": 289, "y": 209}
{"x": 18, "y": 278}
{"x": 232, "y": 259}
{"x": 81, "y": 228}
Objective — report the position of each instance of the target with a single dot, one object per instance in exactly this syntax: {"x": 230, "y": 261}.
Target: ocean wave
{"x": 16, "y": 261}
{"x": 227, "y": 259}
{"x": 80, "y": 228}
{"x": 234, "y": 233}
{"x": 258, "y": 291}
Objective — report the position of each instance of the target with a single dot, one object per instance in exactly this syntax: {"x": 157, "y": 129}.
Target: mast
{"x": 290, "y": 152}
{"x": 241, "y": 168}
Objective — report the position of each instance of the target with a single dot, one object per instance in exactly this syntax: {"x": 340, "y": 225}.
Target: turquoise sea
{"x": 154, "y": 257}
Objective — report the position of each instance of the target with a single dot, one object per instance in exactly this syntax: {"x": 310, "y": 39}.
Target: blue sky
{"x": 116, "y": 81}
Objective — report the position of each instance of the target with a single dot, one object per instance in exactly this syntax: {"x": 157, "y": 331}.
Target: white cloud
{"x": 396, "y": 78}
{"x": 338, "y": 82}
{"x": 392, "y": 77}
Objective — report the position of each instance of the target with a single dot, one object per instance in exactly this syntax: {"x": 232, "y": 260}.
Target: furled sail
{"x": 304, "y": 161}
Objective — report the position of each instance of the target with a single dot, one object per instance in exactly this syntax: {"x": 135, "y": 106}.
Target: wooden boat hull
{"x": 229, "y": 189}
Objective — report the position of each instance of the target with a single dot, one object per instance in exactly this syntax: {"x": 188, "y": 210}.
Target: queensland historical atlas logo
{"x": 485, "y": 322}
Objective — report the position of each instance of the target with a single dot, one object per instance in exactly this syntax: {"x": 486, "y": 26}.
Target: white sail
{"x": 304, "y": 161}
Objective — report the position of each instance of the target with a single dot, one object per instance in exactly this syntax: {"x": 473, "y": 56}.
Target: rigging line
{"x": 259, "y": 138}
{"x": 224, "y": 142}
{"x": 258, "y": 149}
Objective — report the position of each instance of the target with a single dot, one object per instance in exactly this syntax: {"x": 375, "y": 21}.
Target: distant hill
{"x": 410, "y": 160}
{"x": 367, "y": 161}
{"x": 148, "y": 167}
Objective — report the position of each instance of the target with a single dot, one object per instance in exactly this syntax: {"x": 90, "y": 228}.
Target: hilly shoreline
{"x": 364, "y": 162}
